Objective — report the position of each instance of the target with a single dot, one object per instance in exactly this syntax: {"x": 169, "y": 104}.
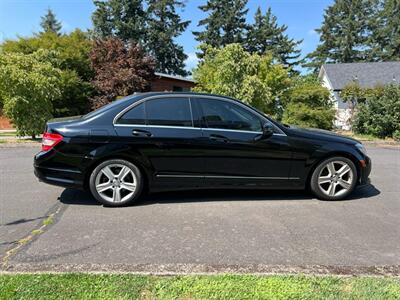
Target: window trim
{"x": 190, "y": 96}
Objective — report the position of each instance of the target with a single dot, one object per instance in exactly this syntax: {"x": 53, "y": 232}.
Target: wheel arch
{"x": 136, "y": 162}
{"x": 333, "y": 154}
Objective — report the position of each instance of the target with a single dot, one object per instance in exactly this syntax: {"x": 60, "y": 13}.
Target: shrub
{"x": 308, "y": 104}
{"x": 396, "y": 135}
{"x": 379, "y": 115}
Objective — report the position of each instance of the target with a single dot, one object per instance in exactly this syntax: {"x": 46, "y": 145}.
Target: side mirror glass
{"x": 268, "y": 130}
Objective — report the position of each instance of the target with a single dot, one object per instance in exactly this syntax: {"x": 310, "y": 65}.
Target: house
{"x": 5, "y": 123}
{"x": 368, "y": 75}
{"x": 171, "y": 83}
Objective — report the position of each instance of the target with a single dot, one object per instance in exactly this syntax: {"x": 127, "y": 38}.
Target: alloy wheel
{"x": 335, "y": 178}
{"x": 116, "y": 183}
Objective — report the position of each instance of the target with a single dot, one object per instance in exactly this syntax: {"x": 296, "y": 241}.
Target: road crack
{"x": 32, "y": 235}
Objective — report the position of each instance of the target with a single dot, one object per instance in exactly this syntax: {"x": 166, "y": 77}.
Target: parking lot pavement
{"x": 23, "y": 202}
{"x": 226, "y": 227}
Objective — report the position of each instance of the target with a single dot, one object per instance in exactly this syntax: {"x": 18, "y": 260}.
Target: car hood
{"x": 320, "y": 134}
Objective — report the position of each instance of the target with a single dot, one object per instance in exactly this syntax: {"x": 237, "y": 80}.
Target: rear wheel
{"x": 116, "y": 182}
{"x": 334, "y": 178}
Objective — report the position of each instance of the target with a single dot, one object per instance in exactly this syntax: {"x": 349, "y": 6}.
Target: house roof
{"x": 366, "y": 74}
{"x": 175, "y": 77}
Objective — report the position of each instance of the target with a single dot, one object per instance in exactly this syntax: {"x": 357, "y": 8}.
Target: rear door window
{"x": 169, "y": 112}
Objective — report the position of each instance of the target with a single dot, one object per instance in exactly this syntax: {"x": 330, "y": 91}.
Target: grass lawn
{"x": 8, "y": 133}
{"x": 91, "y": 286}
{"x": 365, "y": 137}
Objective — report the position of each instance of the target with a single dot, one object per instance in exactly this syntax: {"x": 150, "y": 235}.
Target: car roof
{"x": 188, "y": 93}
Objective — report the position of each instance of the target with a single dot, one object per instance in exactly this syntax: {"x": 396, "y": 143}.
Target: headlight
{"x": 361, "y": 148}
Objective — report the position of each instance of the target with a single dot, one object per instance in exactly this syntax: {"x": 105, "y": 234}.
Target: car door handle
{"x": 139, "y": 132}
{"x": 219, "y": 138}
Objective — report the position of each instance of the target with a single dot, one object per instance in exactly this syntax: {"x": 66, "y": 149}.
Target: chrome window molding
{"x": 156, "y": 126}
{"x": 195, "y": 128}
{"x": 189, "y": 96}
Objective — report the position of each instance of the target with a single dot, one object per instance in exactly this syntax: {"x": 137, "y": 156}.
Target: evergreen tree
{"x": 266, "y": 35}
{"x": 154, "y": 27}
{"x": 163, "y": 25}
{"x": 344, "y": 33}
{"x": 124, "y": 19}
{"x": 50, "y": 23}
{"x": 225, "y": 24}
{"x": 385, "y": 38}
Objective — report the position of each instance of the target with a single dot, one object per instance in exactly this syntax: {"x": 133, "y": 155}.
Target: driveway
{"x": 224, "y": 228}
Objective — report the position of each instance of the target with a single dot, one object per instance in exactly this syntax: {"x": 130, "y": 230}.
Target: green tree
{"x": 50, "y": 23}
{"x": 163, "y": 26}
{"x": 344, "y": 34}
{"x": 28, "y": 86}
{"x": 385, "y": 37}
{"x": 266, "y": 35}
{"x": 120, "y": 70}
{"x": 225, "y": 23}
{"x": 308, "y": 105}
{"x": 252, "y": 78}
{"x": 72, "y": 58}
{"x": 124, "y": 19}
{"x": 73, "y": 49}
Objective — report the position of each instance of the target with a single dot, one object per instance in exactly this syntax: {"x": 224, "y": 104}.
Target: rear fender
{"x": 117, "y": 151}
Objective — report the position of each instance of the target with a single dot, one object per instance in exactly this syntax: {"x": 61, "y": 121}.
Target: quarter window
{"x": 169, "y": 112}
{"x": 134, "y": 116}
{"x": 227, "y": 115}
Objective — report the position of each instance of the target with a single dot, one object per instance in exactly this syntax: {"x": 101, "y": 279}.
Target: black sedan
{"x": 174, "y": 141}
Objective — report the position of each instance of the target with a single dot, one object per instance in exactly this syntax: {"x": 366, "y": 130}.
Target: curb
{"x": 203, "y": 269}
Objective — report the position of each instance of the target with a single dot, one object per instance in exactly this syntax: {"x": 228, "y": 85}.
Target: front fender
{"x": 307, "y": 154}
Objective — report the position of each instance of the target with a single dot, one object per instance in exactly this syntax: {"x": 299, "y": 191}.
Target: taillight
{"x": 49, "y": 140}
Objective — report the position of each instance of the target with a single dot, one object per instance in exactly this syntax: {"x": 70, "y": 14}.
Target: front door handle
{"x": 219, "y": 138}
{"x": 139, "y": 132}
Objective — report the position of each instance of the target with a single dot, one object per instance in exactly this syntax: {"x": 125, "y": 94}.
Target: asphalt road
{"x": 207, "y": 228}
{"x": 23, "y": 202}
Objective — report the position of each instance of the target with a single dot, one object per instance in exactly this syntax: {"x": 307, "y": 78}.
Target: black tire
{"x": 342, "y": 193}
{"x": 112, "y": 162}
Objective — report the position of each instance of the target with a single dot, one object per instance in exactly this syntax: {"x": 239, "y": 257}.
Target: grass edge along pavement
{"x": 224, "y": 286}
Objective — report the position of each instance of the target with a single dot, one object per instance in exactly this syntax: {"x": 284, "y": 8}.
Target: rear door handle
{"x": 219, "y": 138}
{"x": 139, "y": 132}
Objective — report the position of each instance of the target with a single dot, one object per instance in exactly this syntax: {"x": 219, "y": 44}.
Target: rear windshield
{"x": 105, "y": 107}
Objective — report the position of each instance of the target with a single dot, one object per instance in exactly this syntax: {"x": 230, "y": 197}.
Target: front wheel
{"x": 334, "y": 178}
{"x": 116, "y": 182}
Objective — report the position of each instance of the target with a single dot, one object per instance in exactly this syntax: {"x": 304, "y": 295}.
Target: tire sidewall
{"x": 135, "y": 170}
{"x": 314, "y": 179}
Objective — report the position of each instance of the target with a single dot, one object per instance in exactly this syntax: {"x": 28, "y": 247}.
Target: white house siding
{"x": 343, "y": 113}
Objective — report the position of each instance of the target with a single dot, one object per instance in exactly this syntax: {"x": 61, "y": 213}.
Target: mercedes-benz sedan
{"x": 173, "y": 141}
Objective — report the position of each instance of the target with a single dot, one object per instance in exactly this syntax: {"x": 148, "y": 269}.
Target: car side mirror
{"x": 267, "y": 131}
